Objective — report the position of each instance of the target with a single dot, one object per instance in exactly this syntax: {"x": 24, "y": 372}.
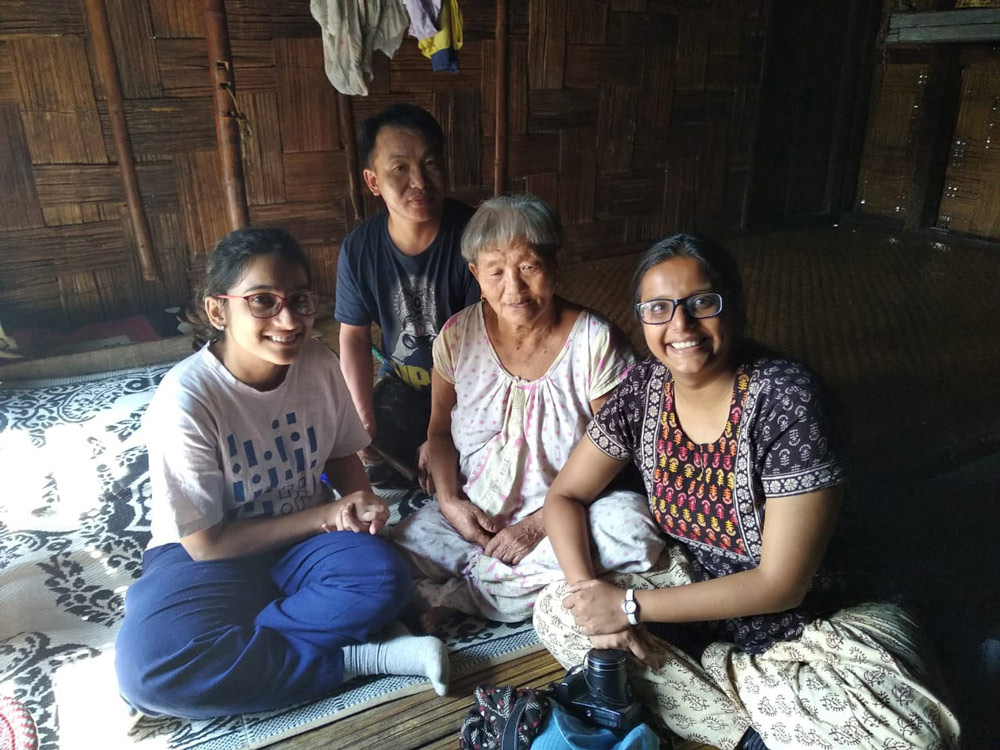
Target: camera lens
{"x": 607, "y": 676}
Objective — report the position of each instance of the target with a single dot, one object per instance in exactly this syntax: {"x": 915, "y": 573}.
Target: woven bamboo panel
{"x": 20, "y": 208}
{"x": 889, "y": 156}
{"x": 633, "y": 118}
{"x": 177, "y": 18}
{"x": 971, "y": 199}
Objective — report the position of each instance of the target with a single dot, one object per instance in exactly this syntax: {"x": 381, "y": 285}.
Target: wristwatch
{"x": 631, "y": 607}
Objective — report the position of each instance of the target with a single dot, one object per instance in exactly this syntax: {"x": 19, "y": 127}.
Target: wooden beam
{"x": 100, "y": 36}
{"x": 500, "y": 119}
{"x": 968, "y": 25}
{"x": 227, "y": 114}
{"x": 344, "y": 110}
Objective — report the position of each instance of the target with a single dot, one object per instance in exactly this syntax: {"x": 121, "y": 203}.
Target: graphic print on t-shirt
{"x": 415, "y": 307}
{"x": 273, "y": 479}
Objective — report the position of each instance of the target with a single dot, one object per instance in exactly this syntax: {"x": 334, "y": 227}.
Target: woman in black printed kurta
{"x": 726, "y": 435}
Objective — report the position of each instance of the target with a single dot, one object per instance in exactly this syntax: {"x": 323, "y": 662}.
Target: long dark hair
{"x": 719, "y": 265}
{"x": 227, "y": 263}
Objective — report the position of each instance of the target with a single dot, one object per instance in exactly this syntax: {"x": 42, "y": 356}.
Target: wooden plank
{"x": 78, "y": 247}
{"x": 83, "y": 184}
{"x": 135, "y": 49}
{"x": 423, "y": 720}
{"x": 65, "y": 137}
{"x": 965, "y": 25}
{"x": 315, "y": 176}
{"x": 935, "y": 123}
{"x": 34, "y": 17}
{"x": 616, "y": 125}
{"x": 578, "y": 174}
{"x": 254, "y": 67}
{"x": 52, "y": 73}
{"x": 9, "y": 90}
{"x": 409, "y": 71}
{"x": 628, "y": 194}
{"x": 184, "y": 67}
{"x": 971, "y": 200}
{"x": 307, "y": 103}
{"x": 547, "y": 21}
{"x": 263, "y": 19}
{"x": 633, "y": 29}
{"x": 307, "y": 222}
{"x": 588, "y": 23}
{"x": 588, "y": 65}
{"x": 692, "y": 51}
{"x": 174, "y": 19}
{"x": 57, "y": 100}
{"x": 261, "y": 147}
{"x": 544, "y": 185}
{"x": 159, "y": 127}
{"x": 517, "y": 87}
{"x": 656, "y": 86}
{"x": 58, "y": 214}
{"x": 556, "y": 109}
{"x": 202, "y": 200}
{"x": 19, "y": 207}
{"x": 529, "y": 154}
{"x": 458, "y": 113}
{"x": 594, "y": 239}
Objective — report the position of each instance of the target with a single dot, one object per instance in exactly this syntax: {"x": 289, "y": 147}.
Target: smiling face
{"x": 515, "y": 282}
{"x": 695, "y": 349}
{"x": 257, "y": 350}
{"x": 408, "y": 173}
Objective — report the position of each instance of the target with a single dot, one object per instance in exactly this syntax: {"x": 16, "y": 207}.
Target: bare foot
{"x": 431, "y": 618}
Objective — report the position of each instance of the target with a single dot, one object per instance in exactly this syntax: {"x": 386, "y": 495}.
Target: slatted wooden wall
{"x": 635, "y": 118}
{"x": 971, "y": 199}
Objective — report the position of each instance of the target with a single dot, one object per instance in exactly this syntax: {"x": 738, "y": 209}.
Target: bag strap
{"x": 508, "y": 739}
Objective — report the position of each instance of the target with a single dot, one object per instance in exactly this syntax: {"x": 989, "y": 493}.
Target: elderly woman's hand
{"x": 512, "y": 544}
{"x": 472, "y": 522}
{"x": 597, "y": 607}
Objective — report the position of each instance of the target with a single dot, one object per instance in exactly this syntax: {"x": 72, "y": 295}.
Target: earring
{"x": 220, "y": 328}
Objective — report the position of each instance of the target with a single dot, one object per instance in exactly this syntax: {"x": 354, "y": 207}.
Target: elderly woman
{"x": 746, "y": 637}
{"x": 516, "y": 379}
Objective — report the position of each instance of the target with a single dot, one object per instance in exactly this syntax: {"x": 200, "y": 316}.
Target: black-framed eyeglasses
{"x": 659, "y": 311}
{"x": 269, "y": 304}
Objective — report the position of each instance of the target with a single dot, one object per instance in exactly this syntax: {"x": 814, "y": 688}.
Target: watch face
{"x": 630, "y": 607}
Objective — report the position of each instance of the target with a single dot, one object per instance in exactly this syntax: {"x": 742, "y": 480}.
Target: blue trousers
{"x": 206, "y": 639}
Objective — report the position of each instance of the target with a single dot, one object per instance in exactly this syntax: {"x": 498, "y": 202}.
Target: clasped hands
{"x": 361, "y": 511}
{"x": 596, "y": 607}
{"x": 509, "y": 544}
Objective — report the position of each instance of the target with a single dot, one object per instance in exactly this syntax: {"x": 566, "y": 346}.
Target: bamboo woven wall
{"x": 971, "y": 199}
{"x": 633, "y": 117}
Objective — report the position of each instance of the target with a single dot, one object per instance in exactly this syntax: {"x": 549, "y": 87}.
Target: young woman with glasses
{"x": 746, "y": 633}
{"x": 259, "y": 588}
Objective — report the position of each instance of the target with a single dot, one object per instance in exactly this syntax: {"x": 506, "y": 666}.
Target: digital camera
{"x": 598, "y": 691}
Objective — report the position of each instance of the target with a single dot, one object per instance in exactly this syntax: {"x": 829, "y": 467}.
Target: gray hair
{"x": 507, "y": 219}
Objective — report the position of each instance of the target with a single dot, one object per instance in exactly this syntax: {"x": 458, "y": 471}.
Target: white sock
{"x": 396, "y": 651}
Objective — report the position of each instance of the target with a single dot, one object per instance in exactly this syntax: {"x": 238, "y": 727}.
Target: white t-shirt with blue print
{"x": 221, "y": 449}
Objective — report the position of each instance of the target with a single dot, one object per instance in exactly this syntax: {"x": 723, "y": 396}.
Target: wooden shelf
{"x": 969, "y": 25}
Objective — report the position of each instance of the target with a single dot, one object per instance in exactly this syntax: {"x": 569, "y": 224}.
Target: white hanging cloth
{"x": 352, "y": 31}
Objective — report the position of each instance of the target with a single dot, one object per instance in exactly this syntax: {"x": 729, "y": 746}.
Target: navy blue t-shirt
{"x": 409, "y": 297}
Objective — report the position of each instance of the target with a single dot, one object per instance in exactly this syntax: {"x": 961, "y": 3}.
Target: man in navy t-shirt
{"x": 403, "y": 270}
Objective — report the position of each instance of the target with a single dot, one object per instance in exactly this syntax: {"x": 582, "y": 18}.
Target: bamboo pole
{"x": 350, "y": 151}
{"x": 227, "y": 129}
{"x": 500, "y": 135}
{"x": 104, "y": 55}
